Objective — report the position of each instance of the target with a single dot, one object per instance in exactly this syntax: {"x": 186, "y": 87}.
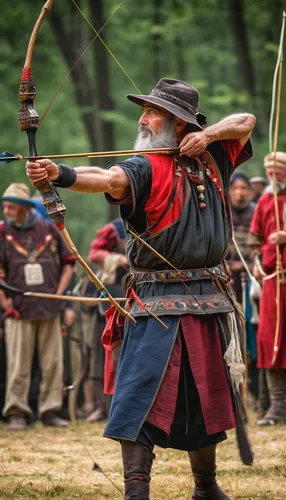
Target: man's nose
{"x": 143, "y": 119}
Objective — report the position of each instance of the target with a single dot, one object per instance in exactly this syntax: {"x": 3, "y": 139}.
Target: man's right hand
{"x": 42, "y": 169}
{"x": 11, "y": 313}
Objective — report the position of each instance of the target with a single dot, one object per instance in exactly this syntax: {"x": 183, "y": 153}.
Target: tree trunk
{"x": 245, "y": 65}
{"x": 104, "y": 101}
{"x": 179, "y": 46}
{"x": 157, "y": 40}
{"x": 69, "y": 40}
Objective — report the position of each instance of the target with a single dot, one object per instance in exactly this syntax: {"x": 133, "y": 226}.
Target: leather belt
{"x": 166, "y": 276}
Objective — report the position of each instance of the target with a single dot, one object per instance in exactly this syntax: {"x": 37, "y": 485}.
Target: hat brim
{"x": 19, "y": 201}
{"x": 172, "y": 108}
{"x": 258, "y": 179}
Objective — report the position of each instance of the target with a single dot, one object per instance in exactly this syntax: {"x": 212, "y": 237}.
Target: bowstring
{"x": 279, "y": 267}
{"x": 274, "y": 86}
{"x": 106, "y": 46}
{"x": 77, "y": 61}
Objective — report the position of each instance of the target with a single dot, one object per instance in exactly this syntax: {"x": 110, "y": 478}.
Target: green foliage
{"x": 168, "y": 38}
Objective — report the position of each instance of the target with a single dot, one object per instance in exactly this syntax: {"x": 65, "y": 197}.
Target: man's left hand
{"x": 193, "y": 143}
{"x": 277, "y": 238}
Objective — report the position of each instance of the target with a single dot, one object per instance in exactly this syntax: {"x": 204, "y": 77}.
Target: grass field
{"x": 52, "y": 463}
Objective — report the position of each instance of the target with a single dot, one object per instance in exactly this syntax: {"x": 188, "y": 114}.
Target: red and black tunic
{"x": 157, "y": 366}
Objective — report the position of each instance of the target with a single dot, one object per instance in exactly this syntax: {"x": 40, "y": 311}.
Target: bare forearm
{"x": 64, "y": 279}
{"x": 96, "y": 180}
{"x": 82, "y": 179}
{"x": 91, "y": 180}
{"x": 232, "y": 127}
{"x": 236, "y": 126}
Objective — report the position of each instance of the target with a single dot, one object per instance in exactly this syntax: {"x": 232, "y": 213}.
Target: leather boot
{"x": 204, "y": 472}
{"x": 263, "y": 393}
{"x": 50, "y": 419}
{"x": 17, "y": 422}
{"x": 137, "y": 463}
{"x": 276, "y": 414}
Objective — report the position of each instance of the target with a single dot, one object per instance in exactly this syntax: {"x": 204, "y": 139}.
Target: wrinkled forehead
{"x": 150, "y": 106}
{"x": 239, "y": 184}
{"x": 279, "y": 170}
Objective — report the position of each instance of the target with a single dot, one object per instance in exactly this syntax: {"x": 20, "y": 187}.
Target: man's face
{"x": 14, "y": 212}
{"x": 257, "y": 188}
{"x": 280, "y": 174}
{"x": 240, "y": 193}
{"x": 153, "y": 117}
{"x": 157, "y": 128}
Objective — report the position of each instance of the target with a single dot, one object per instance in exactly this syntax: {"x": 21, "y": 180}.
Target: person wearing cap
{"x": 258, "y": 185}
{"x": 172, "y": 387}
{"x": 33, "y": 257}
{"x": 242, "y": 209}
{"x": 264, "y": 237}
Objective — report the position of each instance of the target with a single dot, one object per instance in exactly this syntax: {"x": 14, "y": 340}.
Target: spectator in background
{"x": 242, "y": 212}
{"x": 33, "y": 257}
{"x": 263, "y": 239}
{"x": 258, "y": 185}
{"x": 40, "y": 208}
{"x": 107, "y": 252}
{"x": 242, "y": 209}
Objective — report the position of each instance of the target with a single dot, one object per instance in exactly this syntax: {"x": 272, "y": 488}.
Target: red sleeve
{"x": 235, "y": 151}
{"x": 256, "y": 226}
{"x": 2, "y": 256}
{"x": 69, "y": 259}
{"x": 105, "y": 243}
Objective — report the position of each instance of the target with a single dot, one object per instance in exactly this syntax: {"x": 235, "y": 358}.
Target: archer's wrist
{"x": 210, "y": 134}
{"x": 67, "y": 176}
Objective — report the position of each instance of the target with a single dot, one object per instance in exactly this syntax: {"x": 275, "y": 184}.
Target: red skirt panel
{"x": 201, "y": 335}
{"x": 267, "y": 326}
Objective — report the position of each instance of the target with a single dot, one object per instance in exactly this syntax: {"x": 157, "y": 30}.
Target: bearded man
{"x": 172, "y": 386}
{"x": 263, "y": 238}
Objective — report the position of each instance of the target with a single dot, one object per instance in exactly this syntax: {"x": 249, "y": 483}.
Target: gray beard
{"x": 281, "y": 187}
{"x": 166, "y": 138}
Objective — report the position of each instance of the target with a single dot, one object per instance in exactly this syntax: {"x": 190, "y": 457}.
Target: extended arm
{"x": 87, "y": 180}
{"x": 238, "y": 126}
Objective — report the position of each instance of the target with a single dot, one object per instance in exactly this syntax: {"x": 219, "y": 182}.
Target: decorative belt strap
{"x": 184, "y": 304}
{"x": 205, "y": 273}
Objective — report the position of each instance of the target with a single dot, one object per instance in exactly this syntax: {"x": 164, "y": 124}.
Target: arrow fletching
{"x": 7, "y": 157}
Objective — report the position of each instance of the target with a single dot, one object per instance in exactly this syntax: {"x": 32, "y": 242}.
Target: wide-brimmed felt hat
{"x": 18, "y": 193}
{"x": 280, "y": 160}
{"x": 178, "y": 97}
{"x": 257, "y": 178}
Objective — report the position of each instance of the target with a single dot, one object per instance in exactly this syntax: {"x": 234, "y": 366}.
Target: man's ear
{"x": 180, "y": 124}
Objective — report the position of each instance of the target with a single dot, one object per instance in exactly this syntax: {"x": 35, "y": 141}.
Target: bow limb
{"x": 29, "y": 122}
{"x": 100, "y": 286}
{"x": 279, "y": 267}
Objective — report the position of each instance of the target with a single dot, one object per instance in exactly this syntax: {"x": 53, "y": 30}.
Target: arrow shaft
{"x": 72, "y": 298}
{"x": 100, "y": 154}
